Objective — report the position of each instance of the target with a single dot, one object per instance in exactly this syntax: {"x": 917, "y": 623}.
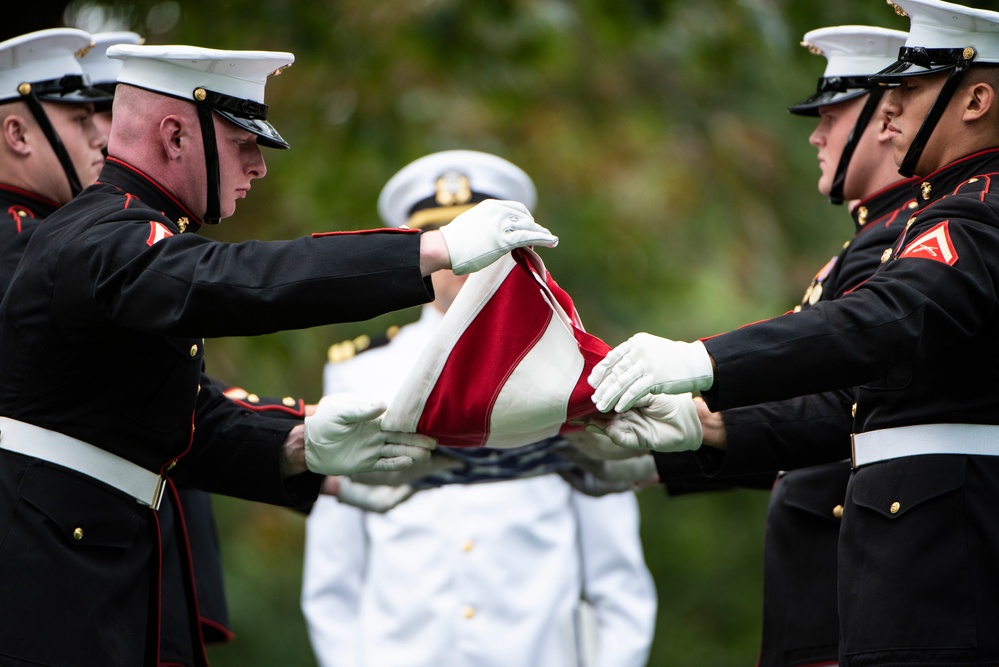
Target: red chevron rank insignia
{"x": 157, "y": 232}
{"x": 933, "y": 244}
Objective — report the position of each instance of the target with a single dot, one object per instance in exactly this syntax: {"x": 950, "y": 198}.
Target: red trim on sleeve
{"x": 367, "y": 231}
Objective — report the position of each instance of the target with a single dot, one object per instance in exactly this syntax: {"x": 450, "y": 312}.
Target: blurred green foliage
{"x": 656, "y": 131}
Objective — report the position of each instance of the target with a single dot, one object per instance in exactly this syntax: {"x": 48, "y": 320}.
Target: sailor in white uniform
{"x": 517, "y": 573}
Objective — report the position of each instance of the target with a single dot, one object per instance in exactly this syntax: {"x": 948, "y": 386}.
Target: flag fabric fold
{"x": 507, "y": 366}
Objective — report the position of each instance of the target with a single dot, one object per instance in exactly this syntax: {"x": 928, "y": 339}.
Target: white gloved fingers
{"x": 668, "y": 424}
{"x": 411, "y": 439}
{"x": 625, "y": 378}
{"x": 371, "y": 498}
{"x": 596, "y": 444}
{"x": 636, "y": 469}
{"x": 346, "y": 409}
{"x": 634, "y": 393}
{"x": 487, "y": 231}
{"x": 392, "y": 449}
{"x": 604, "y": 366}
{"x": 390, "y": 464}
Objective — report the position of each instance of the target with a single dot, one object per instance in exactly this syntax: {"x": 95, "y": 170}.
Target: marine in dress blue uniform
{"x": 111, "y": 306}
{"x": 917, "y": 578}
{"x": 800, "y": 619}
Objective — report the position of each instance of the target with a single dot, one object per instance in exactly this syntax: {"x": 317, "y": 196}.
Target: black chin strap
{"x": 35, "y": 105}
{"x": 908, "y": 168}
{"x": 870, "y": 108}
{"x": 213, "y": 214}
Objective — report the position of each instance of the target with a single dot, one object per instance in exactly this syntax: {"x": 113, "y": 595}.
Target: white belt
{"x": 893, "y": 443}
{"x": 143, "y": 485}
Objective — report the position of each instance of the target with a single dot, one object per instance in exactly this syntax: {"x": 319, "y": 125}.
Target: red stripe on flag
{"x": 592, "y": 349}
{"x": 507, "y": 327}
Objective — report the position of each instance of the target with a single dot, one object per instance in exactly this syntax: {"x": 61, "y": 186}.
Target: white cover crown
{"x": 487, "y": 175}
{"x": 180, "y": 70}
{"x": 855, "y": 50}
{"x": 934, "y": 24}
{"x": 96, "y": 63}
{"x": 40, "y": 56}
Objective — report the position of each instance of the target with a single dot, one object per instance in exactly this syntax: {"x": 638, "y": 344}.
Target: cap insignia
{"x": 84, "y": 51}
{"x": 898, "y": 10}
{"x": 278, "y": 71}
{"x": 814, "y": 50}
{"x": 453, "y": 189}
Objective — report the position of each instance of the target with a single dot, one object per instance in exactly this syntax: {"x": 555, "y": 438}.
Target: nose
{"x": 889, "y": 105}
{"x": 257, "y": 168}
{"x": 818, "y": 137}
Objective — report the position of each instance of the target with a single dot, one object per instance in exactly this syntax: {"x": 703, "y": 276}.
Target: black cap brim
{"x": 810, "y": 105}
{"x": 266, "y": 134}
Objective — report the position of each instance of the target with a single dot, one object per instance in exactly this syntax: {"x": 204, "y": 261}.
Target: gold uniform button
{"x": 972, "y": 180}
{"x": 288, "y": 401}
{"x": 895, "y": 507}
{"x": 468, "y": 612}
{"x": 838, "y": 512}
{"x": 194, "y": 350}
{"x": 913, "y": 204}
{"x": 22, "y": 213}
{"x": 886, "y": 255}
{"x": 467, "y": 546}
{"x": 77, "y": 534}
{"x": 253, "y": 398}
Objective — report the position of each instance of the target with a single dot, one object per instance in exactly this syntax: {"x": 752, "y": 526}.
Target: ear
{"x": 172, "y": 137}
{"x": 15, "y": 134}
{"x": 979, "y": 101}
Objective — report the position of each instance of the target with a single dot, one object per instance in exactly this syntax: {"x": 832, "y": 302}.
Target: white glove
{"x": 372, "y": 498}
{"x": 589, "y": 484}
{"x": 487, "y": 231}
{"x": 660, "y": 423}
{"x": 646, "y": 364}
{"x": 639, "y": 467}
{"x": 437, "y": 463}
{"x": 344, "y": 437}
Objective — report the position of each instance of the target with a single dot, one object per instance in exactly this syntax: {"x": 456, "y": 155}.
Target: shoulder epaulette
{"x": 286, "y": 405}
{"x": 350, "y": 348}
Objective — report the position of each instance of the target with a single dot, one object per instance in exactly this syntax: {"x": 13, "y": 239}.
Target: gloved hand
{"x": 640, "y": 468}
{"x": 646, "y": 364}
{"x": 436, "y": 463}
{"x": 372, "y": 498}
{"x": 659, "y": 422}
{"x": 344, "y": 437}
{"x": 589, "y": 484}
{"x": 481, "y": 235}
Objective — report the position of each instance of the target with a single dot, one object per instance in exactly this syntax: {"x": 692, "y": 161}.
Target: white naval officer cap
{"x": 231, "y": 83}
{"x": 943, "y": 36}
{"x": 437, "y": 187}
{"x": 103, "y": 71}
{"x": 46, "y": 63}
{"x": 853, "y": 53}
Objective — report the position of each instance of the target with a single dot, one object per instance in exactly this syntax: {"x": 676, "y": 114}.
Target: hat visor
{"x": 88, "y": 95}
{"x": 810, "y": 105}
{"x": 901, "y": 69}
{"x": 266, "y": 134}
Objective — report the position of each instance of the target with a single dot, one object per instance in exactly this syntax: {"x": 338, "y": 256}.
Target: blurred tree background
{"x": 656, "y": 131}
